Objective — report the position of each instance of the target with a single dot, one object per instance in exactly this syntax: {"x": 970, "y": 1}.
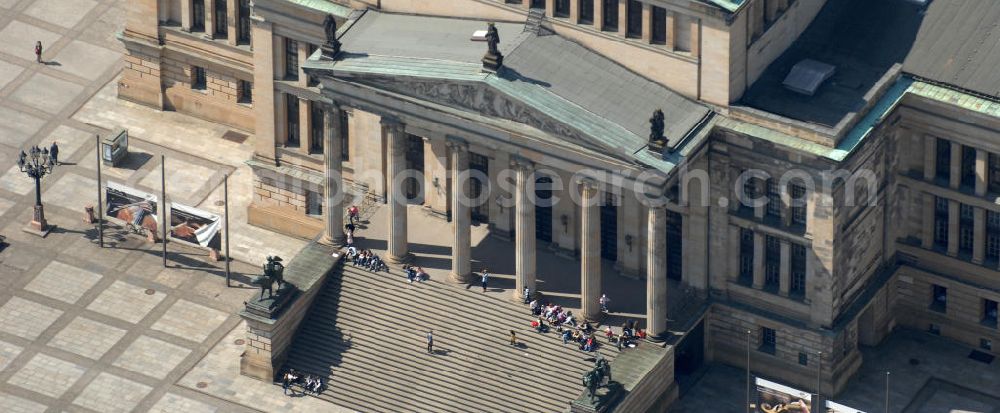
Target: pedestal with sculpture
{"x": 274, "y": 314}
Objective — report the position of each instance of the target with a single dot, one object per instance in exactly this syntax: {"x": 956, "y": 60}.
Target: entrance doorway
{"x": 538, "y": 4}
{"x": 675, "y": 247}
{"x": 609, "y": 228}
{"x": 415, "y": 162}
{"x": 543, "y": 209}
{"x": 689, "y": 355}
{"x": 478, "y": 187}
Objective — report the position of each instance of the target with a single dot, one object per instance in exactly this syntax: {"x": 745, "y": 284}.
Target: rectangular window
{"x": 311, "y": 80}
{"x": 941, "y": 222}
{"x": 562, "y": 8}
{"x": 345, "y": 136}
{"x": 939, "y": 298}
{"x": 989, "y": 313}
{"x": 634, "y": 18}
{"x": 244, "y": 91}
{"x": 768, "y": 340}
{"x": 243, "y": 25}
{"x": 291, "y": 59}
{"x": 803, "y": 359}
{"x": 746, "y": 255}
{"x": 292, "y": 113}
{"x": 772, "y": 262}
{"x": 797, "y": 269}
{"x": 992, "y": 235}
{"x": 986, "y": 344}
{"x": 749, "y": 190}
{"x": 965, "y": 227}
{"x": 314, "y": 203}
{"x": 221, "y": 24}
{"x": 942, "y": 163}
{"x": 316, "y": 128}
{"x": 198, "y": 78}
{"x": 993, "y": 173}
{"x": 587, "y": 11}
{"x": 798, "y": 199}
{"x": 682, "y": 33}
{"x": 610, "y": 22}
{"x": 197, "y": 15}
{"x": 773, "y": 199}
{"x": 659, "y": 25}
{"x": 968, "y": 166}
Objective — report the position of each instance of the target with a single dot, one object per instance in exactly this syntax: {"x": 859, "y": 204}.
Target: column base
{"x": 333, "y": 241}
{"x": 460, "y": 278}
{"x": 593, "y": 318}
{"x": 405, "y": 259}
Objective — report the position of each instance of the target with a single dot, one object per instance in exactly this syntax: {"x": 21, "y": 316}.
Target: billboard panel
{"x": 776, "y": 398}
{"x": 196, "y": 226}
{"x": 832, "y": 407}
{"x": 131, "y": 206}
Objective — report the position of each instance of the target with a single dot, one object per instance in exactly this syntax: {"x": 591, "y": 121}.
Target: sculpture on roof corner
{"x": 493, "y": 58}
{"x": 656, "y": 125}
{"x": 332, "y": 45}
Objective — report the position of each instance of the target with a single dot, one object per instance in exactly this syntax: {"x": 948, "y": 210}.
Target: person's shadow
{"x": 51, "y": 63}
{"x": 441, "y": 352}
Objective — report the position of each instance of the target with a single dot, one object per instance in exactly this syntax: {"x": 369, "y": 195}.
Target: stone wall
{"x": 217, "y": 102}
{"x": 140, "y": 81}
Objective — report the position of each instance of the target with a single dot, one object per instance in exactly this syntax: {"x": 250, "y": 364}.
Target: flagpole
{"x": 225, "y": 191}
{"x": 747, "y": 408}
{"x": 163, "y": 204}
{"x": 100, "y": 204}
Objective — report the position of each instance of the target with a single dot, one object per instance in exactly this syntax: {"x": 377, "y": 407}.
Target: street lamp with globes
{"x": 36, "y": 164}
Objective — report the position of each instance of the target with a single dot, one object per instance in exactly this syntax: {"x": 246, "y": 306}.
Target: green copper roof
{"x": 954, "y": 97}
{"x": 325, "y": 6}
{"x": 728, "y": 5}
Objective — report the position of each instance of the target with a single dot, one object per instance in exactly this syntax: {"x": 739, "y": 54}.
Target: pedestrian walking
{"x": 349, "y": 232}
{"x": 486, "y": 278}
{"x": 513, "y": 338}
{"x": 352, "y": 214}
{"x": 430, "y": 342}
{"x": 38, "y": 52}
{"x": 604, "y": 300}
{"x": 54, "y": 153}
{"x": 527, "y": 295}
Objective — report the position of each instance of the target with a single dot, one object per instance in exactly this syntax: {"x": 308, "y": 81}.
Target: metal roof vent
{"x": 807, "y": 75}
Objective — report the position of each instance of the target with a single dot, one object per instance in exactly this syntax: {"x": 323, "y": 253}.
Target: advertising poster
{"x": 131, "y": 206}
{"x": 195, "y": 226}
{"x": 776, "y": 398}
{"x": 832, "y": 407}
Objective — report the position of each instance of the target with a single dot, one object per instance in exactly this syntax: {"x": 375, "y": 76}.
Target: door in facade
{"x": 675, "y": 247}
{"x": 543, "y": 209}
{"x": 609, "y": 228}
{"x": 538, "y": 4}
{"x": 478, "y": 187}
{"x": 690, "y": 352}
{"x": 414, "y": 162}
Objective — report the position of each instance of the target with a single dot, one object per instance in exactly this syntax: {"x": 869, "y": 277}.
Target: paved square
{"x": 46, "y": 93}
{"x": 72, "y": 192}
{"x": 63, "y": 282}
{"x": 14, "y": 404}
{"x": 8, "y": 3}
{"x": 85, "y": 60}
{"x": 70, "y": 140}
{"x": 8, "y": 72}
{"x": 184, "y": 179}
{"x": 7, "y": 353}
{"x": 110, "y": 393}
{"x": 47, "y": 375}
{"x": 16, "y": 127}
{"x": 87, "y": 338}
{"x": 5, "y": 205}
{"x": 63, "y": 13}
{"x": 190, "y": 321}
{"x": 126, "y": 302}
{"x": 152, "y": 357}
{"x": 19, "y": 39}
{"x": 172, "y": 403}
{"x": 943, "y": 396}
{"x": 14, "y": 180}
{"x": 25, "y": 318}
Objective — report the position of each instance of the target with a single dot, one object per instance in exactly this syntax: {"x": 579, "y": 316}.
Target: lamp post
{"x": 36, "y": 164}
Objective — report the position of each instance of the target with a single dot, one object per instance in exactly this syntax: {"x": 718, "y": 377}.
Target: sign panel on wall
{"x": 832, "y": 407}
{"x": 776, "y": 398}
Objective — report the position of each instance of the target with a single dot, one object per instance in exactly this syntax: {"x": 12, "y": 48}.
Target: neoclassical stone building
{"x": 891, "y": 138}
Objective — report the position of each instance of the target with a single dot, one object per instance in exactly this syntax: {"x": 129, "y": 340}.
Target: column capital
{"x": 392, "y": 122}
{"x": 517, "y": 161}
{"x": 455, "y": 143}
{"x": 588, "y": 184}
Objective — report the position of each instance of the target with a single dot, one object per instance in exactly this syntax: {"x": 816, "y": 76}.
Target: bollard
{"x": 213, "y": 254}
{"x": 88, "y": 216}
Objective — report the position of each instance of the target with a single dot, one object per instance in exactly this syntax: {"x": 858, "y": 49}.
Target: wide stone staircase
{"x": 366, "y": 334}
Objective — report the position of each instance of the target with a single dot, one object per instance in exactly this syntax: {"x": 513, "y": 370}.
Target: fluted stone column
{"x": 461, "y": 214}
{"x": 758, "y": 260}
{"x": 930, "y": 158}
{"x": 590, "y": 251}
{"x": 524, "y": 232}
{"x": 953, "y": 211}
{"x": 955, "y": 166}
{"x": 333, "y": 184}
{"x": 928, "y": 224}
{"x": 982, "y": 163}
{"x": 398, "y": 250}
{"x": 784, "y": 266}
{"x": 978, "y": 235}
{"x": 656, "y": 278}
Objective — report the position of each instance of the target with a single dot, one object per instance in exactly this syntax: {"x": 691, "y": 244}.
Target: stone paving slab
{"x": 63, "y": 13}
{"x": 152, "y": 357}
{"x": 70, "y": 140}
{"x": 7, "y": 353}
{"x": 19, "y": 38}
{"x": 14, "y": 404}
{"x": 8, "y": 71}
{"x": 63, "y": 282}
{"x": 47, "y": 375}
{"x": 47, "y": 93}
{"x": 190, "y": 321}
{"x": 126, "y": 302}
{"x": 16, "y": 181}
{"x": 5, "y": 205}
{"x": 25, "y": 318}
{"x": 184, "y": 179}
{"x": 87, "y": 338}
{"x": 15, "y": 129}
{"x": 84, "y": 59}
{"x": 172, "y": 403}
{"x": 71, "y": 191}
{"x": 112, "y": 394}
